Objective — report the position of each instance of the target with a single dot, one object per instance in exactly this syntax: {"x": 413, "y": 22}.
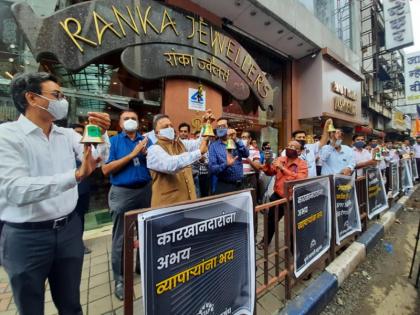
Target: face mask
{"x": 302, "y": 143}
{"x": 57, "y": 108}
{"x": 338, "y": 142}
{"x": 245, "y": 142}
{"x": 221, "y": 132}
{"x": 130, "y": 125}
{"x": 373, "y": 145}
{"x": 359, "y": 144}
{"x": 168, "y": 133}
{"x": 291, "y": 153}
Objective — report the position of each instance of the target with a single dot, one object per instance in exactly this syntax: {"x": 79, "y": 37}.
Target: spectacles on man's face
{"x": 56, "y": 94}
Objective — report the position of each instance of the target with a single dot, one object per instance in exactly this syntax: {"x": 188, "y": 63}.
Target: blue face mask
{"x": 221, "y": 132}
{"x": 373, "y": 145}
{"x": 359, "y": 144}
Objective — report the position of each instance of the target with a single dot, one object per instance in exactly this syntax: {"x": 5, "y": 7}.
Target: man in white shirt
{"x": 42, "y": 236}
{"x": 416, "y": 149}
{"x": 168, "y": 161}
{"x": 362, "y": 156}
{"x": 251, "y": 165}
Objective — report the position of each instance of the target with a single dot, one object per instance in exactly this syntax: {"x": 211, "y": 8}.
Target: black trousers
{"x": 271, "y": 216}
{"x": 122, "y": 200}
{"x": 30, "y": 256}
{"x": 418, "y": 166}
{"x": 204, "y": 182}
{"x": 225, "y": 187}
{"x": 82, "y": 207}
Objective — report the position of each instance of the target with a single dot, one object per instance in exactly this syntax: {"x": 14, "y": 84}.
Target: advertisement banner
{"x": 347, "y": 216}
{"x": 199, "y": 258}
{"x": 311, "y": 222}
{"x": 398, "y": 27}
{"x": 414, "y": 169}
{"x": 395, "y": 180}
{"x": 377, "y": 200}
{"x": 406, "y": 179}
{"x": 412, "y": 78}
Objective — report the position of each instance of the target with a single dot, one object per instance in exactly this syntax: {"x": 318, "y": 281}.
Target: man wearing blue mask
{"x": 131, "y": 188}
{"x": 362, "y": 156}
{"x": 169, "y": 162}
{"x": 42, "y": 235}
{"x": 227, "y": 164}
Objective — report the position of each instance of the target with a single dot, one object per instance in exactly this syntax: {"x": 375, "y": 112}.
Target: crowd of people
{"x": 43, "y": 167}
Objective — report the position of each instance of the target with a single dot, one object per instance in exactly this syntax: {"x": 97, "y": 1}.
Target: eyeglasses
{"x": 57, "y": 95}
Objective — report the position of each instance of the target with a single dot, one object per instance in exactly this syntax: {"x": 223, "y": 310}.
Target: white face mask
{"x": 57, "y": 108}
{"x": 245, "y": 142}
{"x": 338, "y": 142}
{"x": 130, "y": 125}
{"x": 168, "y": 133}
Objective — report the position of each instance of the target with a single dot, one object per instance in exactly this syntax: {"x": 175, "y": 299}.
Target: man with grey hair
{"x": 169, "y": 160}
{"x": 42, "y": 235}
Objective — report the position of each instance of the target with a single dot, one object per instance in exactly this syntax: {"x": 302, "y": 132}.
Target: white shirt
{"x": 417, "y": 150}
{"x": 37, "y": 174}
{"x": 254, "y": 154}
{"x": 360, "y": 157}
{"x": 160, "y": 161}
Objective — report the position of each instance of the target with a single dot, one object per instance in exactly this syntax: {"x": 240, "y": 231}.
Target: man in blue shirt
{"x": 227, "y": 166}
{"x": 131, "y": 188}
{"x": 336, "y": 157}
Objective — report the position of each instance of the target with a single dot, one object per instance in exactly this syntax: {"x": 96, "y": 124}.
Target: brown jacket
{"x": 171, "y": 188}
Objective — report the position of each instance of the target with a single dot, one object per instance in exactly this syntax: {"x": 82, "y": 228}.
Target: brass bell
{"x": 230, "y": 145}
{"x": 331, "y": 128}
{"x": 378, "y": 156}
{"x": 208, "y": 130}
{"x": 92, "y": 135}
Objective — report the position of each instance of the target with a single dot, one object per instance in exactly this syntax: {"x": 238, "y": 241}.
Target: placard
{"x": 414, "y": 169}
{"x": 199, "y": 257}
{"x": 196, "y": 101}
{"x": 311, "y": 222}
{"x": 395, "y": 179}
{"x": 406, "y": 179}
{"x": 347, "y": 216}
{"x": 377, "y": 201}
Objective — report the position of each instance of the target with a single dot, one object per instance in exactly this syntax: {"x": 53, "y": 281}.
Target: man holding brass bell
{"x": 168, "y": 162}
{"x": 225, "y": 158}
{"x": 130, "y": 188}
{"x": 42, "y": 236}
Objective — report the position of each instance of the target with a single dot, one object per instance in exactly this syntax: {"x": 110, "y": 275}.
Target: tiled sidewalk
{"x": 97, "y": 285}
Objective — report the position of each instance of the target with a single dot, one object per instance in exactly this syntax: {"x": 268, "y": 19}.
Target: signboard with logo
{"x": 347, "y": 216}
{"x": 199, "y": 258}
{"x": 406, "y": 179}
{"x": 412, "y": 78}
{"x": 311, "y": 222}
{"x": 196, "y": 100}
{"x": 394, "y": 180}
{"x": 398, "y": 28}
{"x": 156, "y": 41}
{"x": 377, "y": 200}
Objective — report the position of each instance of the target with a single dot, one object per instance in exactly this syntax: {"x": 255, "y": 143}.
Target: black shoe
{"x": 87, "y": 250}
{"x": 119, "y": 290}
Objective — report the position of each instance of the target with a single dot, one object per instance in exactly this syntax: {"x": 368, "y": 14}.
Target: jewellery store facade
{"x": 169, "y": 57}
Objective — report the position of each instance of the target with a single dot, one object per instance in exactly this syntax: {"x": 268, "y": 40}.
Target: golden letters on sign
{"x": 346, "y": 102}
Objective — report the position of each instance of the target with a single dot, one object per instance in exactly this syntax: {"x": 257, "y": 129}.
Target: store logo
{"x": 197, "y": 98}
{"x": 313, "y": 243}
{"x": 206, "y": 309}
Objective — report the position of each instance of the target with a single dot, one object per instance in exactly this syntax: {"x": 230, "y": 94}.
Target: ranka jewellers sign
{"x": 154, "y": 41}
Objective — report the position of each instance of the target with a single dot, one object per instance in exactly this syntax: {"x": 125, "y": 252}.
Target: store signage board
{"x": 199, "y": 258}
{"x": 412, "y": 78}
{"x": 398, "y": 27}
{"x": 92, "y": 30}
